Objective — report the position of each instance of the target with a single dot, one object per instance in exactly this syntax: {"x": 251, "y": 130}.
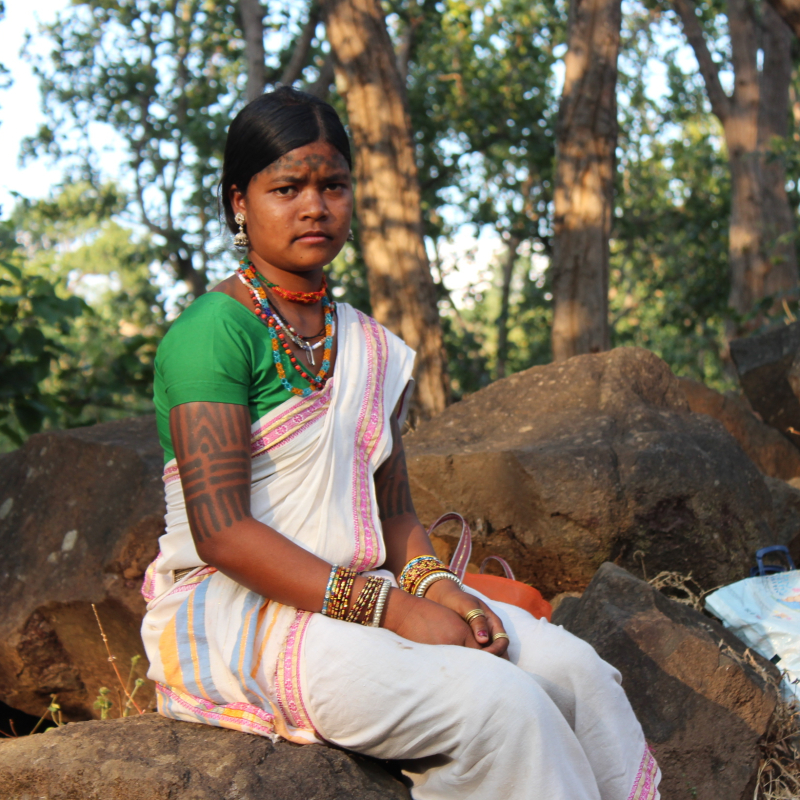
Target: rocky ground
{"x": 587, "y": 476}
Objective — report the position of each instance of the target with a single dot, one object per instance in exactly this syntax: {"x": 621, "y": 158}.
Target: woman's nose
{"x": 313, "y": 206}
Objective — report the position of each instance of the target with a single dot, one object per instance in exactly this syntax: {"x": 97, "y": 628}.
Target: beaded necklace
{"x": 300, "y": 341}
{"x": 305, "y": 298}
{"x": 248, "y": 276}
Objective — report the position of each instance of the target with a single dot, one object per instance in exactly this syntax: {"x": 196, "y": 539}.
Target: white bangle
{"x": 428, "y": 580}
{"x": 384, "y": 593}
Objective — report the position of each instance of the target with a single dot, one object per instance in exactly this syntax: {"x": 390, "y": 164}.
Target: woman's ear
{"x": 238, "y": 202}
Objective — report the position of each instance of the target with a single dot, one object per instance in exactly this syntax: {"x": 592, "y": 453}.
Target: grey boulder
{"x": 154, "y": 758}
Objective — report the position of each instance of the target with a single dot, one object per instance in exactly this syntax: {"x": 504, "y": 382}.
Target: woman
{"x": 289, "y": 522}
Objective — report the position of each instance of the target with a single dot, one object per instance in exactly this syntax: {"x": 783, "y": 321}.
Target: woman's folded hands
{"x": 440, "y": 618}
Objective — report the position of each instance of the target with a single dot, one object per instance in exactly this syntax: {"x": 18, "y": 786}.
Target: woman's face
{"x": 298, "y": 209}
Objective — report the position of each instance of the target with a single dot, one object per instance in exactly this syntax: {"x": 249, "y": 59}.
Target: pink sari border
{"x": 369, "y": 431}
{"x": 645, "y": 786}
{"x": 216, "y": 715}
{"x": 288, "y": 678}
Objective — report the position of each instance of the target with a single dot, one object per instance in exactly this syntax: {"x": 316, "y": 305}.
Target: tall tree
{"x": 388, "y": 194}
{"x": 252, "y": 16}
{"x": 790, "y": 11}
{"x": 763, "y": 259}
{"x": 482, "y": 103}
{"x": 584, "y": 192}
{"x": 161, "y": 75}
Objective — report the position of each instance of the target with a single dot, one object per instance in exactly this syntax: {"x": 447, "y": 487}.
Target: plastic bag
{"x": 764, "y": 612}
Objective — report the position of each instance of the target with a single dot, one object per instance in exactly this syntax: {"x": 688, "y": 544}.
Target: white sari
{"x": 551, "y": 724}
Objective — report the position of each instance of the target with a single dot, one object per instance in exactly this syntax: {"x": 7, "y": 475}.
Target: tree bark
{"x": 252, "y": 16}
{"x": 773, "y": 123}
{"x": 761, "y": 251}
{"x": 584, "y": 189}
{"x": 789, "y": 11}
{"x": 302, "y": 47}
{"x": 388, "y": 196}
{"x": 505, "y": 294}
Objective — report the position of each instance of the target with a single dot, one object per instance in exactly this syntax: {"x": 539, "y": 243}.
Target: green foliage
{"x": 79, "y": 312}
{"x": 33, "y": 323}
{"x": 669, "y": 263}
{"x": 165, "y": 77}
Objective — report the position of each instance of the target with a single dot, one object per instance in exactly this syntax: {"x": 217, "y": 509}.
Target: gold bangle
{"x": 474, "y": 614}
{"x": 501, "y": 635}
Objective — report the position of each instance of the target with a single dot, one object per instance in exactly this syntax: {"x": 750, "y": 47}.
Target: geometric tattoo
{"x": 391, "y": 480}
{"x": 212, "y": 448}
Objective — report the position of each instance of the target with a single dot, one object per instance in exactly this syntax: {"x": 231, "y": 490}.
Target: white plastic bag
{"x": 764, "y": 613}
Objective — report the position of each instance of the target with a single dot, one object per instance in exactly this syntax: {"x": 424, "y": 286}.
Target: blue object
{"x": 771, "y": 569}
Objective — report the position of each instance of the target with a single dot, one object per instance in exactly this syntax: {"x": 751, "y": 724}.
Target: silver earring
{"x": 350, "y": 236}
{"x": 240, "y": 241}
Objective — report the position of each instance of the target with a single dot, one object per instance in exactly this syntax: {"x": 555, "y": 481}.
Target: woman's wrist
{"x": 442, "y": 590}
{"x": 399, "y": 605}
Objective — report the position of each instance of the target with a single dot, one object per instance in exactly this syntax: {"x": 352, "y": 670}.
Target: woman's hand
{"x": 484, "y": 628}
{"x": 422, "y": 621}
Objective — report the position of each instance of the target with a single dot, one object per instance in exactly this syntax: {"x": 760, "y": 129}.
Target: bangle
{"x": 383, "y": 594}
{"x": 417, "y": 570}
{"x": 328, "y": 589}
{"x": 341, "y": 587}
{"x": 364, "y": 607}
{"x": 432, "y": 577}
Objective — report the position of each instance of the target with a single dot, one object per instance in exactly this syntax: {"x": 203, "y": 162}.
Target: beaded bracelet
{"x": 328, "y": 589}
{"x": 364, "y": 607}
{"x": 337, "y": 595}
{"x": 418, "y": 569}
{"x": 379, "y": 606}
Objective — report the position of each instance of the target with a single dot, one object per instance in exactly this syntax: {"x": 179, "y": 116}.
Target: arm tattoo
{"x": 391, "y": 480}
{"x": 212, "y": 447}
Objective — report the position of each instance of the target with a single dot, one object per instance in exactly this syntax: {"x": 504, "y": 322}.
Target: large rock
{"x": 702, "y": 701}
{"x": 80, "y": 515}
{"x": 153, "y": 758}
{"x": 767, "y": 448}
{"x": 562, "y": 467}
{"x": 767, "y": 372}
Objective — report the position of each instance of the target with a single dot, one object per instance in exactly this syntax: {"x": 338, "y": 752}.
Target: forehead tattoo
{"x": 312, "y": 161}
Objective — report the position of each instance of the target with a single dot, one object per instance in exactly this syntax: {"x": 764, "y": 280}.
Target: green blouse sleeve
{"x": 204, "y": 357}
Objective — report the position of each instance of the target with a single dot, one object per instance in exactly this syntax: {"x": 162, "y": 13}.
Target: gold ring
{"x": 501, "y": 635}
{"x": 474, "y": 614}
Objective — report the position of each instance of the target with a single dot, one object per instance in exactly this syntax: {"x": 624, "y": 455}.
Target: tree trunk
{"x": 763, "y": 260}
{"x": 252, "y": 16}
{"x": 584, "y": 188}
{"x": 388, "y": 195}
{"x": 773, "y": 123}
{"x": 789, "y": 10}
{"x": 505, "y": 294}
{"x": 297, "y": 63}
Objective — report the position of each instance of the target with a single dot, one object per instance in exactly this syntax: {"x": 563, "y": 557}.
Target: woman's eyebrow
{"x": 339, "y": 175}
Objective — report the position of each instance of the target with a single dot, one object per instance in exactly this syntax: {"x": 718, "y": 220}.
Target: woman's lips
{"x": 313, "y": 237}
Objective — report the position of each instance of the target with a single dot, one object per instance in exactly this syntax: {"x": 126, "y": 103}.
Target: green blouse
{"x": 217, "y": 351}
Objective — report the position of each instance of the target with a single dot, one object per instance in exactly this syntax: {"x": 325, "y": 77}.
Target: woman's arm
{"x": 212, "y": 448}
{"x": 406, "y": 538}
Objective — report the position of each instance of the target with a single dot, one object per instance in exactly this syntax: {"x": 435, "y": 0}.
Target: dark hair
{"x": 267, "y": 129}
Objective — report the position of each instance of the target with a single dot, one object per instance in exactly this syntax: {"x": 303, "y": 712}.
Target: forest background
{"x": 91, "y": 276}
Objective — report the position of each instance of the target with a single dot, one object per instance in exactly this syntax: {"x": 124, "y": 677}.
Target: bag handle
{"x": 460, "y": 559}
{"x": 461, "y": 556}
{"x": 502, "y": 562}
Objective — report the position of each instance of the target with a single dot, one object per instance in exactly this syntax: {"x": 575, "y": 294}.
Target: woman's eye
{"x": 284, "y": 190}
{"x": 335, "y": 187}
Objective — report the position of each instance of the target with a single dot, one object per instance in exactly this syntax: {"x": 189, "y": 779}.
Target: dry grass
{"x": 681, "y": 588}
{"x": 779, "y": 766}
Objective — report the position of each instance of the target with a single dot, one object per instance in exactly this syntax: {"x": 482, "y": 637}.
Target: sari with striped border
{"x": 222, "y": 654}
